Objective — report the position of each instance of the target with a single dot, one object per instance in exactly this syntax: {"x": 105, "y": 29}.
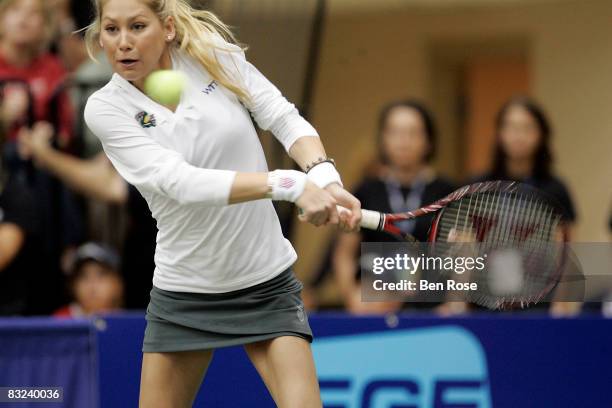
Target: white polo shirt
{"x": 184, "y": 163}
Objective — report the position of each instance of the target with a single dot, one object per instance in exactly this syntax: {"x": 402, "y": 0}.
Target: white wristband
{"x": 286, "y": 185}
{"x": 324, "y": 174}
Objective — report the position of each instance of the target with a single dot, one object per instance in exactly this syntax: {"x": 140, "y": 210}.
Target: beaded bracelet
{"x": 320, "y": 160}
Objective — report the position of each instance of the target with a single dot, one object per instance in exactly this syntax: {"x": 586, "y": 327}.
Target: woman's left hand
{"x": 348, "y": 220}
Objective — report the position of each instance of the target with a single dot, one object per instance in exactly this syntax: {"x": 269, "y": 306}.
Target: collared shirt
{"x": 184, "y": 164}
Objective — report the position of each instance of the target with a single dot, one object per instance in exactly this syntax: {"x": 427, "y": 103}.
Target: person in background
{"x": 17, "y": 236}
{"x": 403, "y": 181}
{"x": 97, "y": 179}
{"x": 30, "y": 73}
{"x": 86, "y": 76}
{"x": 33, "y": 100}
{"x": 95, "y": 282}
{"x": 68, "y": 17}
{"x": 523, "y": 153}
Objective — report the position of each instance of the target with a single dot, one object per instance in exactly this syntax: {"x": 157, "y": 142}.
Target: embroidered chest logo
{"x": 211, "y": 87}
{"x": 146, "y": 120}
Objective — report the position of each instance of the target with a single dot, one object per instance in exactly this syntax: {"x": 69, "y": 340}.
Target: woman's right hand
{"x": 317, "y": 206}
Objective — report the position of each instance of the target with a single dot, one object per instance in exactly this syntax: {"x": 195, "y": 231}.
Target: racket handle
{"x": 369, "y": 219}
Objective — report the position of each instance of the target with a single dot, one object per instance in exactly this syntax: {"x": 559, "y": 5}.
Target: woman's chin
{"x": 520, "y": 156}
{"x": 406, "y": 163}
{"x": 130, "y": 75}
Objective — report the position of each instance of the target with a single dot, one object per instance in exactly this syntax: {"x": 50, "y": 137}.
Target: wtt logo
{"x": 440, "y": 367}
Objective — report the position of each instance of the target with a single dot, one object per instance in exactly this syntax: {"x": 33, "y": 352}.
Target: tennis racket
{"x": 522, "y": 226}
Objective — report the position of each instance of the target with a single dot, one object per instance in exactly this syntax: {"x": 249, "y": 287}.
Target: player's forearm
{"x": 249, "y": 187}
{"x": 283, "y": 185}
{"x": 89, "y": 177}
{"x": 309, "y": 154}
{"x": 306, "y": 150}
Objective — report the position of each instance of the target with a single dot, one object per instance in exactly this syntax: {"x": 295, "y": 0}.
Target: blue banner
{"x": 47, "y": 353}
{"x": 384, "y": 362}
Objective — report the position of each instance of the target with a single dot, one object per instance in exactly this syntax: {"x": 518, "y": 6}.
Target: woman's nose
{"x": 125, "y": 42}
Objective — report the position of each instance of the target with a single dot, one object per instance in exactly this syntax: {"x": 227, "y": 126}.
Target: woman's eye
{"x": 110, "y": 29}
{"x": 139, "y": 26}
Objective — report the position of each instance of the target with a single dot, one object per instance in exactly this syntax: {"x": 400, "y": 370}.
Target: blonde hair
{"x": 49, "y": 24}
{"x": 195, "y": 34}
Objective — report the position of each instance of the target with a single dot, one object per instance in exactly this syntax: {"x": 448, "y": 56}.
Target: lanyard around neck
{"x": 400, "y": 204}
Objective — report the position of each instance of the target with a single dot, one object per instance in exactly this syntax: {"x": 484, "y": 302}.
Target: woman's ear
{"x": 170, "y": 29}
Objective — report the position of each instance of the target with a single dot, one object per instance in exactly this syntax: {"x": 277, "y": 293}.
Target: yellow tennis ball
{"x": 165, "y": 86}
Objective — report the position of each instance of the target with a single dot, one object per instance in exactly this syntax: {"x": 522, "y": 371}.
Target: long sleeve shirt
{"x": 184, "y": 164}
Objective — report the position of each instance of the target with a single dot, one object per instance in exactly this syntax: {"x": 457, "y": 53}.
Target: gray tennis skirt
{"x": 181, "y": 321}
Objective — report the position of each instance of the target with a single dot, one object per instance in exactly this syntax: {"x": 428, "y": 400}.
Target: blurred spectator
{"x": 97, "y": 179}
{"x": 26, "y": 27}
{"x": 34, "y": 101}
{"x": 17, "y": 236}
{"x": 523, "y": 153}
{"x": 88, "y": 78}
{"x": 68, "y": 17}
{"x": 95, "y": 283}
{"x": 87, "y": 75}
{"x": 403, "y": 181}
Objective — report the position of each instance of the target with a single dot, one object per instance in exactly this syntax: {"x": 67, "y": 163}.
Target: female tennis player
{"x": 222, "y": 275}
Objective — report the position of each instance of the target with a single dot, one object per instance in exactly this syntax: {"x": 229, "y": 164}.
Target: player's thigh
{"x": 172, "y": 379}
{"x": 287, "y": 367}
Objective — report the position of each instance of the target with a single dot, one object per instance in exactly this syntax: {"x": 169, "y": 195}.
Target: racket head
{"x": 482, "y": 207}
{"x": 520, "y": 228}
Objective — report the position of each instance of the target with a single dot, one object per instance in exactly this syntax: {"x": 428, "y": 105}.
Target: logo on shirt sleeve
{"x": 146, "y": 120}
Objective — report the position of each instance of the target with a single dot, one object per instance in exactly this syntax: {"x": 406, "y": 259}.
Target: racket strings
{"x": 498, "y": 218}
{"x": 506, "y": 220}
